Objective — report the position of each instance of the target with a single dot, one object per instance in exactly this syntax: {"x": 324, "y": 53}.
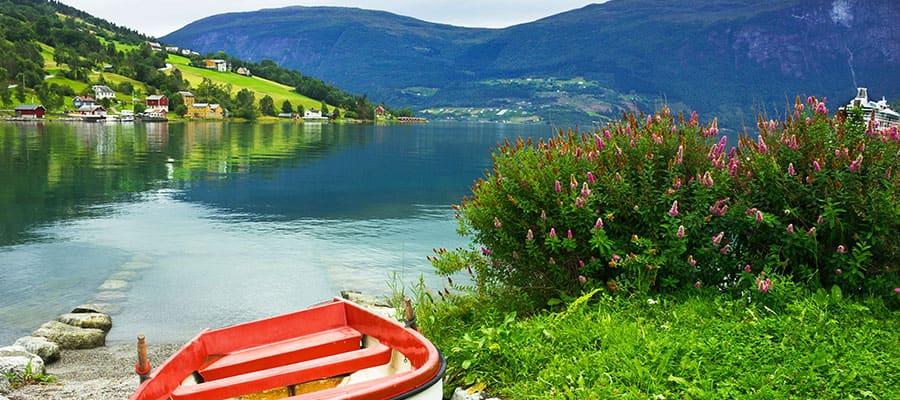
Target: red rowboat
{"x": 335, "y": 350}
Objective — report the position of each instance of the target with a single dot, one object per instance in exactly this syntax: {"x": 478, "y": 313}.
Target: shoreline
{"x": 103, "y": 373}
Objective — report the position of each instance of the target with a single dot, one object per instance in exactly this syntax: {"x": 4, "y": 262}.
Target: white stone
{"x": 15, "y": 360}
{"x": 71, "y": 337}
{"x": 43, "y": 348}
{"x": 87, "y": 320}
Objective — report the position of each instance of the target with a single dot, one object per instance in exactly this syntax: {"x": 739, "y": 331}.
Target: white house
{"x": 103, "y": 92}
{"x": 312, "y": 113}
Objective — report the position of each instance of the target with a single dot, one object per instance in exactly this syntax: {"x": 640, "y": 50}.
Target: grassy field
{"x": 259, "y": 86}
{"x": 701, "y": 346}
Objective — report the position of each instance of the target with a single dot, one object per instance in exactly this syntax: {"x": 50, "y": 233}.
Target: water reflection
{"x": 184, "y": 226}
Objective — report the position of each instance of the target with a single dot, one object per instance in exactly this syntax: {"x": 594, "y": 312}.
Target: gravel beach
{"x": 104, "y": 373}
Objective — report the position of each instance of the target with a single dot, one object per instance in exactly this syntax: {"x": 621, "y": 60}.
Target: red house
{"x": 30, "y": 111}
{"x": 157, "y": 101}
{"x": 380, "y": 110}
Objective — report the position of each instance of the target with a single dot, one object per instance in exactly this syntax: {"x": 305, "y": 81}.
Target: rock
{"x": 113, "y": 284}
{"x": 43, "y": 348}
{"x": 71, "y": 337}
{"x": 4, "y": 386}
{"x": 124, "y": 275}
{"x": 365, "y": 300}
{"x": 15, "y": 360}
{"x": 102, "y": 308}
{"x": 87, "y": 320}
{"x": 109, "y": 295}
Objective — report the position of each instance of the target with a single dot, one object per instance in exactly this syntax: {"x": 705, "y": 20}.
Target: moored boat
{"x": 332, "y": 350}
{"x": 880, "y": 110}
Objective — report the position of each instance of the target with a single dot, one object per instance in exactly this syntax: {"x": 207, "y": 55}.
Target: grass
{"x": 700, "y": 345}
{"x": 259, "y": 86}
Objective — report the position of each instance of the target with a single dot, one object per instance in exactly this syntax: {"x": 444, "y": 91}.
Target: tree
{"x": 300, "y": 109}
{"x": 324, "y": 109}
{"x": 286, "y": 107}
{"x": 267, "y": 106}
{"x": 336, "y": 113}
{"x": 244, "y": 105}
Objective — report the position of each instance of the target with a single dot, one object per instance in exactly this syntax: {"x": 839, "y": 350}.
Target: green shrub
{"x": 660, "y": 203}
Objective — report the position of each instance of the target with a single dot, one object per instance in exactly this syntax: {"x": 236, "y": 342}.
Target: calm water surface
{"x": 194, "y": 225}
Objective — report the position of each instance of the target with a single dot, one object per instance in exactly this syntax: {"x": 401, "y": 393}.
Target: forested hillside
{"x": 52, "y": 52}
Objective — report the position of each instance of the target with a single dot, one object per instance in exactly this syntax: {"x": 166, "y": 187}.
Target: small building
{"x": 380, "y": 110}
{"x": 243, "y": 71}
{"x": 79, "y": 101}
{"x": 207, "y": 111}
{"x": 103, "y": 92}
{"x": 155, "y": 46}
{"x": 313, "y": 114}
{"x": 92, "y": 110}
{"x": 155, "y": 114}
{"x": 218, "y": 65}
{"x": 157, "y": 101}
{"x": 30, "y": 111}
{"x": 172, "y": 49}
{"x": 188, "y": 98}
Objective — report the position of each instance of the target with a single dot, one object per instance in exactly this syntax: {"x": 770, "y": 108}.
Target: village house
{"x": 218, "y": 65}
{"x": 207, "y": 111}
{"x": 30, "y": 111}
{"x": 155, "y": 46}
{"x": 188, "y": 98}
{"x": 172, "y": 49}
{"x": 79, "y": 101}
{"x": 91, "y": 110}
{"x": 312, "y": 114}
{"x": 103, "y": 92}
{"x": 380, "y": 110}
{"x": 243, "y": 71}
{"x": 157, "y": 101}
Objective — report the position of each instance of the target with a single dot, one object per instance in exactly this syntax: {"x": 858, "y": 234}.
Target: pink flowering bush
{"x": 663, "y": 202}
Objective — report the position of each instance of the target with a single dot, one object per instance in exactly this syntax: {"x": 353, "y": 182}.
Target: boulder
{"x": 87, "y": 320}
{"x": 15, "y": 360}
{"x": 43, "y": 348}
{"x": 71, "y": 337}
{"x": 102, "y": 308}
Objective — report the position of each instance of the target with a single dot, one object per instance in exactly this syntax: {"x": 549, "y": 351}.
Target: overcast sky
{"x": 160, "y": 17}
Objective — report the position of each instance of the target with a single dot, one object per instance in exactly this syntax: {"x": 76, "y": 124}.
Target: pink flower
{"x": 515, "y": 255}
{"x": 725, "y": 249}
{"x": 558, "y": 187}
{"x": 529, "y": 236}
{"x": 582, "y": 279}
{"x": 680, "y": 233}
{"x": 841, "y": 249}
{"x": 543, "y": 215}
{"x": 600, "y": 143}
{"x": 679, "y": 156}
{"x": 599, "y": 223}
{"x": 697, "y": 285}
{"x": 897, "y": 290}
{"x": 820, "y": 220}
{"x": 838, "y": 271}
{"x": 616, "y": 257}
{"x": 811, "y": 231}
{"x": 759, "y": 217}
{"x": 855, "y": 165}
{"x": 817, "y": 166}
{"x": 486, "y": 251}
{"x": 691, "y": 261}
{"x": 693, "y": 120}
{"x": 718, "y": 238}
{"x": 581, "y": 263}
{"x": 590, "y": 178}
{"x": 762, "y": 145}
{"x": 607, "y": 135}
{"x": 585, "y": 190}
{"x": 553, "y": 233}
{"x": 790, "y": 228}
{"x": 791, "y": 171}
{"x": 569, "y": 234}
{"x": 674, "y": 210}
{"x": 747, "y": 268}
{"x": 618, "y": 177}
{"x": 763, "y": 285}
{"x": 497, "y": 223}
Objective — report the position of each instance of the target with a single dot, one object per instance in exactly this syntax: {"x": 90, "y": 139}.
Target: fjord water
{"x": 184, "y": 226}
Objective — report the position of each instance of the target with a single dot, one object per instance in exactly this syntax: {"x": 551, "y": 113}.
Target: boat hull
{"x": 364, "y": 355}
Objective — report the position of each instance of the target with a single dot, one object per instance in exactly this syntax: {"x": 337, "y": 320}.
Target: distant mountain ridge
{"x": 725, "y": 57}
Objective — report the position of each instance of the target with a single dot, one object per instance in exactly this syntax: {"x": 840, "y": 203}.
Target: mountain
{"x": 725, "y": 57}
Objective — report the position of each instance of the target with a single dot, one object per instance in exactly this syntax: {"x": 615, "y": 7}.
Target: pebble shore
{"x": 103, "y": 373}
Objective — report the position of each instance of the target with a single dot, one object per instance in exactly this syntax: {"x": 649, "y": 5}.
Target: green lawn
{"x": 259, "y": 86}
{"x": 695, "y": 346}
